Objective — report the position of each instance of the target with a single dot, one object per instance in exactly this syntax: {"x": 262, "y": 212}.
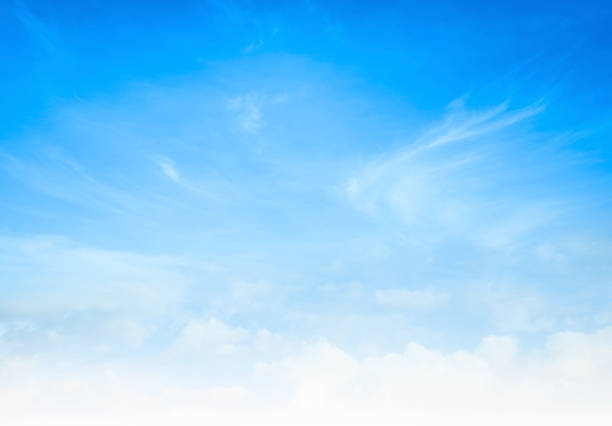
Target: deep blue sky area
{"x": 423, "y": 52}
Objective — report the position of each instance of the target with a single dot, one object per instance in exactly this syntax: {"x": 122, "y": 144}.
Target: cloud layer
{"x": 566, "y": 380}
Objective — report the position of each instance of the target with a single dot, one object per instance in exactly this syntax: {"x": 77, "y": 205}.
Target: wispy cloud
{"x": 167, "y": 167}
{"x": 38, "y": 29}
{"x": 50, "y": 174}
{"x": 248, "y": 113}
{"x": 426, "y": 185}
{"x": 248, "y": 109}
{"x": 461, "y": 125}
{"x": 253, "y": 46}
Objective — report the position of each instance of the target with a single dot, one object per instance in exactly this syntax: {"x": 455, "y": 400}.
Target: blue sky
{"x": 209, "y": 190}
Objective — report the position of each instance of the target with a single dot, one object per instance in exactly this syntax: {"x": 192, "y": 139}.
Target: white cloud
{"x": 275, "y": 344}
{"x": 167, "y": 167}
{"x": 498, "y": 350}
{"x": 438, "y": 186}
{"x": 248, "y": 112}
{"x": 460, "y": 125}
{"x": 492, "y": 385}
{"x": 253, "y": 46}
{"x": 248, "y": 109}
{"x": 567, "y": 380}
{"x": 411, "y": 299}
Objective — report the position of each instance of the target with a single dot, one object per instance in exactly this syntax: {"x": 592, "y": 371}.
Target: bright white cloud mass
{"x": 230, "y": 213}
{"x": 318, "y": 383}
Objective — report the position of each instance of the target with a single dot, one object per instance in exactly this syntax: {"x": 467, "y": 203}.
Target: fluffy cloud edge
{"x": 566, "y": 380}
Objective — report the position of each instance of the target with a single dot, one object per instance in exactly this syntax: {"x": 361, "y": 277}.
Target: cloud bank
{"x": 567, "y": 380}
